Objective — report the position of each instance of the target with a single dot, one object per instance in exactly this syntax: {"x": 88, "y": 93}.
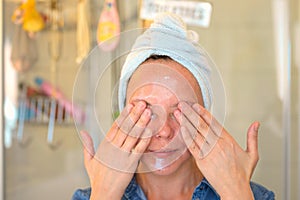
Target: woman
{"x": 165, "y": 143}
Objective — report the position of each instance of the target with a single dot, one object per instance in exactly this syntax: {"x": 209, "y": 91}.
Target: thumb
{"x": 252, "y": 140}
{"x": 88, "y": 151}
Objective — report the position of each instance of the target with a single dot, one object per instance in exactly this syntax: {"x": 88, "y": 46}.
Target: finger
{"x": 133, "y": 117}
{"x": 124, "y": 114}
{"x": 252, "y": 141}
{"x": 88, "y": 150}
{"x": 184, "y": 122}
{"x": 141, "y": 124}
{"x": 115, "y": 126}
{"x": 112, "y": 132}
{"x": 199, "y": 125}
{"x": 205, "y": 136}
{"x": 202, "y": 142}
{"x": 128, "y": 123}
{"x": 190, "y": 143}
{"x": 194, "y": 118}
{"x": 143, "y": 143}
{"x": 137, "y": 152}
{"x": 137, "y": 130}
{"x": 209, "y": 119}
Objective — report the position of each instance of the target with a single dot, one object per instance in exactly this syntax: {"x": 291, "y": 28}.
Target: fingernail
{"x": 147, "y": 112}
{"x": 141, "y": 105}
{"x": 256, "y": 127}
{"x": 177, "y": 113}
{"x": 129, "y": 107}
{"x": 179, "y": 106}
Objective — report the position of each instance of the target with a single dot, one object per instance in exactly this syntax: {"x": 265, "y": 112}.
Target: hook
{"x": 32, "y": 109}
{"x": 50, "y": 136}
{"x": 20, "y": 134}
{"x": 60, "y": 110}
{"x": 39, "y": 110}
{"x": 25, "y": 143}
{"x": 54, "y": 146}
{"x": 45, "y": 110}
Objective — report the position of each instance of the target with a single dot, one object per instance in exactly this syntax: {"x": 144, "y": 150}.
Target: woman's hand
{"x": 226, "y": 166}
{"x": 111, "y": 168}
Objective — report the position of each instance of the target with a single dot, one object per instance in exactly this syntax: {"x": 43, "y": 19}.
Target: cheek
{"x": 174, "y": 124}
{"x": 176, "y": 137}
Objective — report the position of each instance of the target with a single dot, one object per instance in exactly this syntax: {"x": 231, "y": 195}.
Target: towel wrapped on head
{"x": 168, "y": 36}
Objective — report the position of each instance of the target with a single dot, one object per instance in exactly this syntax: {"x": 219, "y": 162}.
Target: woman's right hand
{"x": 112, "y": 166}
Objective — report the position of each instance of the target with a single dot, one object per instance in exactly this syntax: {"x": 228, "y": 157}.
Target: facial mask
{"x": 165, "y": 77}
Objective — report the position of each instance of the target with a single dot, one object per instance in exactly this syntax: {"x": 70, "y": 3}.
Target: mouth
{"x": 163, "y": 153}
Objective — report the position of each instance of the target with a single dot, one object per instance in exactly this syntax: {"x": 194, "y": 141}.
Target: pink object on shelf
{"x": 55, "y": 93}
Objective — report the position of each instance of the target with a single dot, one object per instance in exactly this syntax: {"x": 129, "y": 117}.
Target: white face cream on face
{"x": 161, "y": 87}
{"x": 164, "y": 76}
{"x": 159, "y": 163}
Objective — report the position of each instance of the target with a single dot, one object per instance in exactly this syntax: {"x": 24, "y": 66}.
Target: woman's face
{"x": 162, "y": 84}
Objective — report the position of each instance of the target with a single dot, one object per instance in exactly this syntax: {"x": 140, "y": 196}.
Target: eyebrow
{"x": 149, "y": 104}
{"x": 172, "y": 106}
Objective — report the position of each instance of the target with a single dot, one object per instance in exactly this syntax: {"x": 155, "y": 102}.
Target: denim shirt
{"x": 204, "y": 191}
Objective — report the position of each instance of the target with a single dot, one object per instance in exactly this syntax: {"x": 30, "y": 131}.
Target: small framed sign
{"x": 194, "y": 13}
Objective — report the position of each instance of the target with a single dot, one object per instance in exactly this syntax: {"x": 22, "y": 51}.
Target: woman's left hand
{"x": 226, "y": 166}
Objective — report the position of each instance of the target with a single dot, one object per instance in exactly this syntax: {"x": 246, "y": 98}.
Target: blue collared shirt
{"x": 204, "y": 191}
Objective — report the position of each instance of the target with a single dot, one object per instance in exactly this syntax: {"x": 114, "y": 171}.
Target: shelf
{"x": 20, "y": 1}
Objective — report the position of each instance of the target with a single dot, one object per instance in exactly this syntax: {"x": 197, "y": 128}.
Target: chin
{"x": 168, "y": 170}
{"x": 163, "y": 166}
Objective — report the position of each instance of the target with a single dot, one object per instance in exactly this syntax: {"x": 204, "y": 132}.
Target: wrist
{"x": 105, "y": 193}
{"x": 103, "y": 196}
{"x": 237, "y": 193}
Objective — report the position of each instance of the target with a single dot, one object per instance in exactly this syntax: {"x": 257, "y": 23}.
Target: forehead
{"x": 167, "y": 73}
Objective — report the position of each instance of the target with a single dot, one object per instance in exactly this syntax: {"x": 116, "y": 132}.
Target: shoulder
{"x": 261, "y": 193}
{"x": 132, "y": 192}
{"x": 82, "y": 194}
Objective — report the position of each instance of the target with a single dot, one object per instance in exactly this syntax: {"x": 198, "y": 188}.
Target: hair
{"x": 156, "y": 57}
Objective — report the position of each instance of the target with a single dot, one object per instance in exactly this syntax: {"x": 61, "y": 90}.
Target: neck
{"x": 178, "y": 185}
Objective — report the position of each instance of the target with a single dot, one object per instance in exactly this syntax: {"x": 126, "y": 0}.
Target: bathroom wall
{"x": 241, "y": 42}
{"x": 1, "y": 103}
{"x": 36, "y": 170}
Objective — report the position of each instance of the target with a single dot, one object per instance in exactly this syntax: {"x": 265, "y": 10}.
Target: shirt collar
{"x": 133, "y": 189}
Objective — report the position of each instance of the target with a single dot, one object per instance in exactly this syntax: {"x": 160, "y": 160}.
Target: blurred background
{"x": 255, "y": 44}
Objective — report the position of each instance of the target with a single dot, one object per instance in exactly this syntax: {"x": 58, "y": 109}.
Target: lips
{"x": 163, "y": 153}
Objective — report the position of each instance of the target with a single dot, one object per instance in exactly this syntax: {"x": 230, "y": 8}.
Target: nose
{"x": 161, "y": 122}
{"x": 166, "y": 131}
